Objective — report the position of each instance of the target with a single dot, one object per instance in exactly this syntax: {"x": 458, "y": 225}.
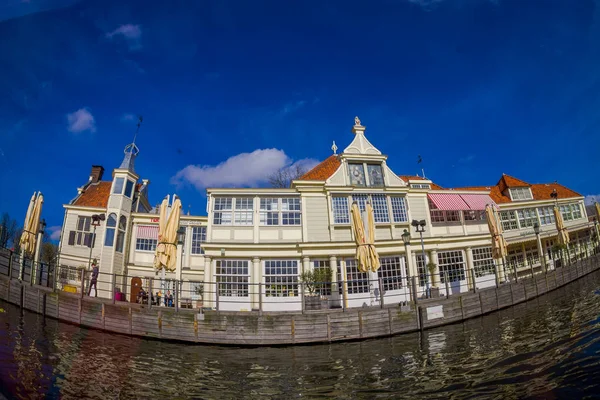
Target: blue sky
{"x": 476, "y": 87}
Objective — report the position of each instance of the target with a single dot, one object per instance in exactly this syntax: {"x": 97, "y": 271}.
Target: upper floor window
{"x": 527, "y": 217}
{"x": 546, "y": 215}
{"x": 198, "y": 237}
{"x": 509, "y": 220}
{"x": 121, "y": 233}
{"x": 222, "y": 210}
{"x": 146, "y": 238}
{"x": 474, "y": 215}
{"x": 129, "y": 188}
{"x": 290, "y": 211}
{"x": 118, "y": 186}
{"x": 111, "y": 225}
{"x": 285, "y": 211}
{"x": 244, "y": 207}
{"x": 379, "y": 202}
{"x": 365, "y": 174}
{"x": 570, "y": 211}
{"x": 442, "y": 216}
{"x": 82, "y": 236}
{"x": 522, "y": 193}
{"x": 420, "y": 186}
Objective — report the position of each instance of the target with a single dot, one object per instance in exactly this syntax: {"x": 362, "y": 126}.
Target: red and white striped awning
{"x": 448, "y": 201}
{"x": 478, "y": 201}
{"x": 147, "y": 232}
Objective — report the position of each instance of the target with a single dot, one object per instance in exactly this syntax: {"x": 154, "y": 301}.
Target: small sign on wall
{"x": 435, "y": 312}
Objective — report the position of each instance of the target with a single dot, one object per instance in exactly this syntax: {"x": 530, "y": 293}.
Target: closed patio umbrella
{"x": 563, "y": 234}
{"x": 162, "y": 224}
{"x": 371, "y": 250}
{"x": 499, "y": 244}
{"x": 166, "y": 250}
{"x": 32, "y": 223}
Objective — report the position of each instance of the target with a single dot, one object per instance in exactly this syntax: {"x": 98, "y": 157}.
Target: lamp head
{"x": 406, "y": 237}
{"x": 536, "y": 228}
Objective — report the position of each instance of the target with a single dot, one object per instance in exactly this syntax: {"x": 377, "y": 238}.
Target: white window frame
{"x": 356, "y": 282}
{"x": 233, "y": 277}
{"x": 453, "y": 262}
{"x": 520, "y": 194}
{"x": 509, "y": 220}
{"x": 243, "y": 213}
{"x": 222, "y": 210}
{"x": 340, "y": 209}
{"x": 198, "y": 238}
{"x": 390, "y": 272}
{"x": 120, "y": 184}
{"x": 483, "y": 261}
{"x": 399, "y": 209}
{"x": 527, "y": 217}
{"x": 281, "y": 278}
{"x": 280, "y": 211}
{"x": 546, "y": 215}
{"x": 83, "y": 236}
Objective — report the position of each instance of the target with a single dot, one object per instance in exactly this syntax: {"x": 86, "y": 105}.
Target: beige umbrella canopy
{"x": 32, "y": 223}
{"x": 166, "y": 250}
{"x": 597, "y": 210}
{"x": 563, "y": 234}
{"x": 366, "y": 255}
{"x": 499, "y": 244}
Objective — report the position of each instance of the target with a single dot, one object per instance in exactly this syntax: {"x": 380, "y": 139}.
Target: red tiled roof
{"x": 95, "y": 195}
{"x": 412, "y": 178}
{"x": 322, "y": 171}
{"x": 539, "y": 191}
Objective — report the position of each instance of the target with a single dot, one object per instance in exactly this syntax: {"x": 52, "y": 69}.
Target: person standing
{"x": 94, "y": 280}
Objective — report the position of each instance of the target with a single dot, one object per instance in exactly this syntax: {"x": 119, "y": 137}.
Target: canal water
{"x": 546, "y": 348}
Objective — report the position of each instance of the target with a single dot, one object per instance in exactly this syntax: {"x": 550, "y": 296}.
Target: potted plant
{"x": 435, "y": 291}
{"x": 199, "y": 291}
{"x": 314, "y": 281}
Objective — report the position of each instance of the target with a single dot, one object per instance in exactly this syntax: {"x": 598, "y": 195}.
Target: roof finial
{"x": 357, "y": 121}
{"x": 334, "y": 148}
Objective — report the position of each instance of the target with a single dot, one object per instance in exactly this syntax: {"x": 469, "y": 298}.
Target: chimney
{"x": 96, "y": 174}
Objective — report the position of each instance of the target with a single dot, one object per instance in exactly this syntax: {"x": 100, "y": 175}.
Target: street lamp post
{"x": 420, "y": 227}
{"x": 96, "y": 218}
{"x": 412, "y": 285}
{"x": 536, "y": 229}
{"x": 180, "y": 242}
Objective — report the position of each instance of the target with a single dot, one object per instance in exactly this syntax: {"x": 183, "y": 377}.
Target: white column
{"x": 411, "y": 265}
{"x": 541, "y": 253}
{"x": 345, "y": 282}
{"x": 470, "y": 265}
{"x": 209, "y": 286}
{"x": 306, "y": 264}
{"x": 335, "y": 295}
{"x": 255, "y": 279}
{"x": 435, "y": 278}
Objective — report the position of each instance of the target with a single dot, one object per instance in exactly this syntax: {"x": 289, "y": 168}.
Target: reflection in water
{"x": 549, "y": 347}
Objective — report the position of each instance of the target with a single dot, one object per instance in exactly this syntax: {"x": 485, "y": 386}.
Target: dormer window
{"x": 129, "y": 188}
{"x": 521, "y": 193}
{"x": 362, "y": 174}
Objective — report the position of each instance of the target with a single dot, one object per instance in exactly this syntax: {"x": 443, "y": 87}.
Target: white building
{"x": 255, "y": 242}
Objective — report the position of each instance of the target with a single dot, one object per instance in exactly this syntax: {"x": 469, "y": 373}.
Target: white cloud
{"x": 132, "y": 33}
{"x": 591, "y": 198}
{"x": 81, "y": 120}
{"x": 294, "y": 106}
{"x": 54, "y": 232}
{"x": 127, "y": 117}
{"x": 241, "y": 170}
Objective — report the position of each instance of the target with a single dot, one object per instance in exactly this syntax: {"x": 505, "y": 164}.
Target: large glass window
{"x": 356, "y": 172}
{"x": 198, "y": 237}
{"x": 380, "y": 208}
{"x": 390, "y": 273}
{"x": 451, "y": 265}
{"x": 357, "y": 282}
{"x": 546, "y": 215}
{"x": 322, "y": 288}
{"x": 111, "y": 226}
{"x": 515, "y": 257}
{"x": 121, "y": 234}
{"x": 118, "y": 186}
{"x": 532, "y": 255}
{"x": 567, "y": 212}
{"x": 474, "y": 215}
{"x": 527, "y": 217}
{"x": 442, "y": 216}
{"x": 281, "y": 278}
{"x": 576, "y": 208}
{"x": 82, "y": 236}
{"x": 290, "y": 211}
{"x": 483, "y": 263}
{"x": 399, "y": 209}
{"x": 222, "y": 211}
{"x": 341, "y": 213}
{"x": 509, "y": 220}
{"x": 244, "y": 207}
{"x": 269, "y": 211}
{"x": 232, "y": 277}
{"x": 422, "y": 270}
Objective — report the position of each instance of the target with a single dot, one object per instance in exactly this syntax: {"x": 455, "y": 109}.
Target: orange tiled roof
{"x": 324, "y": 170}
{"x": 412, "y": 178}
{"x": 539, "y": 191}
{"x": 95, "y": 195}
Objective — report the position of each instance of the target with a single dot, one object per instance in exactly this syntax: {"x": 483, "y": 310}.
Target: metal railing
{"x": 294, "y": 295}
